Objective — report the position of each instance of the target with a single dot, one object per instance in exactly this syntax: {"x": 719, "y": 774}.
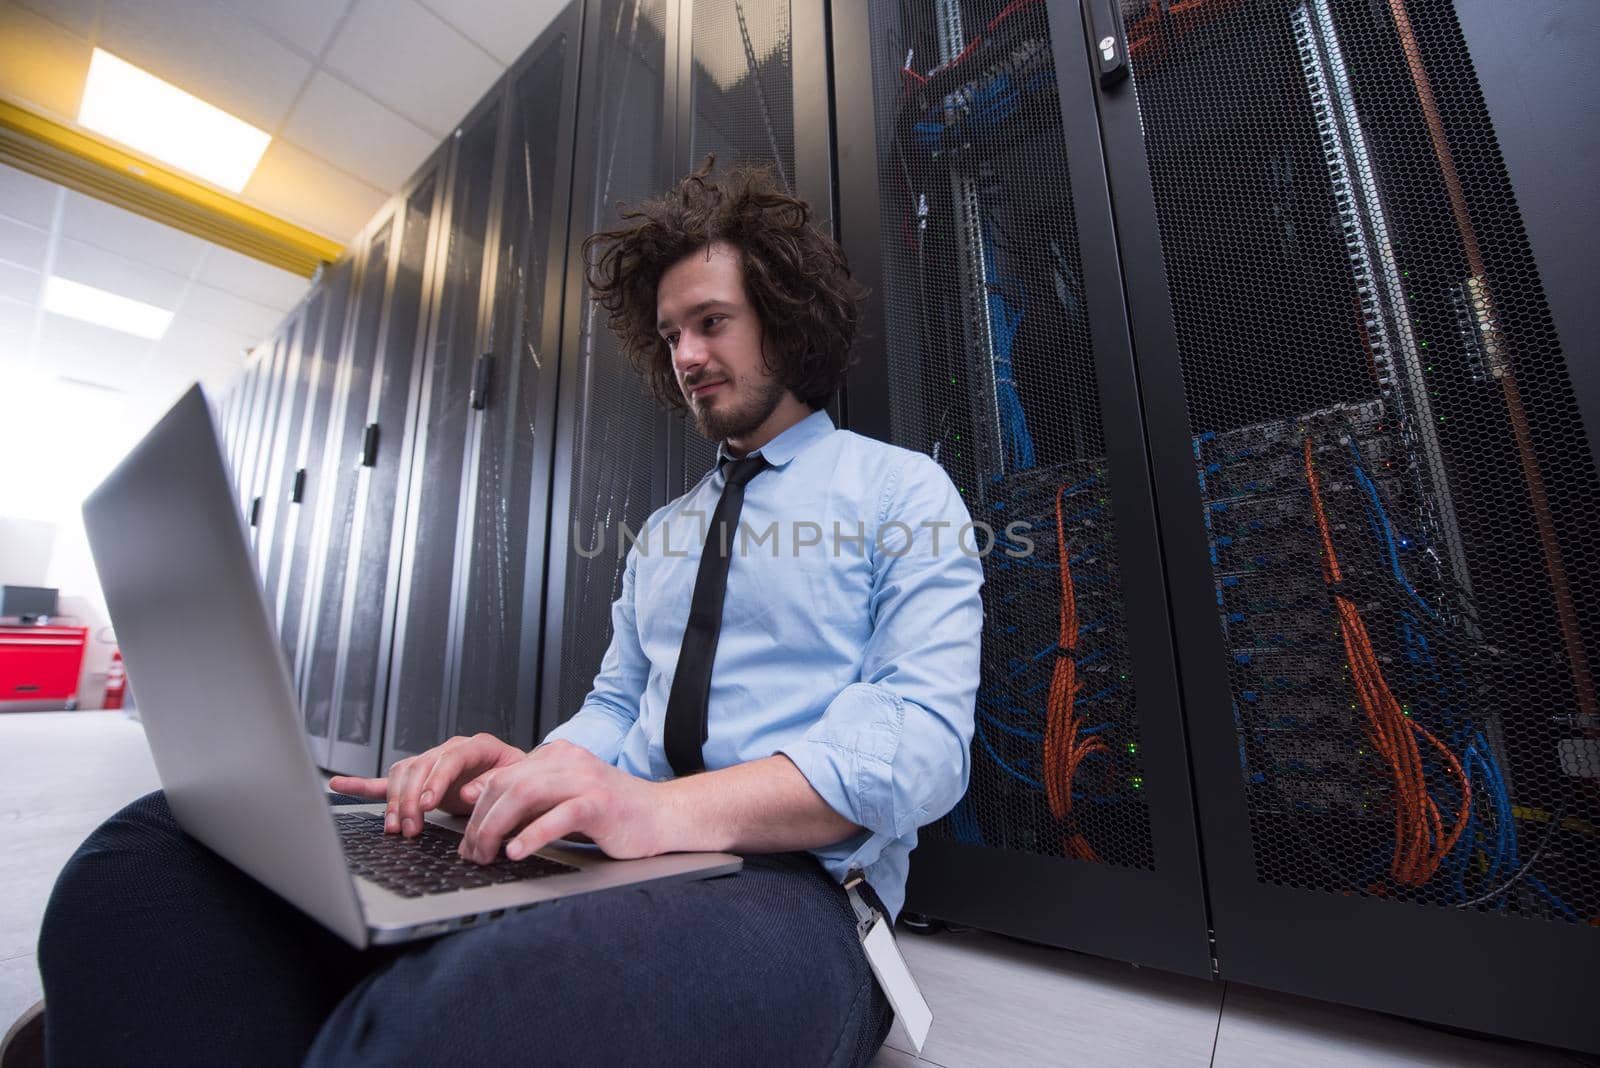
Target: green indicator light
{"x": 1138, "y": 782}
{"x": 1424, "y": 345}
{"x": 952, "y": 381}
{"x": 1133, "y": 747}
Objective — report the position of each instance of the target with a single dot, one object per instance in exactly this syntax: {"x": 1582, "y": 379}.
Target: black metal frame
{"x": 552, "y": 322}
{"x": 316, "y": 589}
{"x": 362, "y": 758}
{"x": 1525, "y": 979}
{"x": 1149, "y": 917}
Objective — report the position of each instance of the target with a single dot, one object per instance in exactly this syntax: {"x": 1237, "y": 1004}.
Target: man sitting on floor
{"x": 832, "y": 594}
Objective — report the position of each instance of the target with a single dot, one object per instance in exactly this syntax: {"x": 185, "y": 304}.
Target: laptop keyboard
{"x": 428, "y": 863}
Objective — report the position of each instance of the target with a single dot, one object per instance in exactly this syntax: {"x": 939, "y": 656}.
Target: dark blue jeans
{"x": 156, "y": 951}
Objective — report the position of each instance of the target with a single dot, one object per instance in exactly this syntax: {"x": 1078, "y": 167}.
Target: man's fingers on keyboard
{"x": 355, "y": 786}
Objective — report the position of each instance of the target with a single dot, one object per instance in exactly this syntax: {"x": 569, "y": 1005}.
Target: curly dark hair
{"x": 795, "y": 276}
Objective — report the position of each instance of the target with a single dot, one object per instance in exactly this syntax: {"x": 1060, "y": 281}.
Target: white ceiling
{"x": 356, "y": 94}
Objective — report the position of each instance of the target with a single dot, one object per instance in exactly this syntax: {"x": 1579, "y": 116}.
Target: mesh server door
{"x": 610, "y": 457}
{"x": 341, "y": 459}
{"x": 280, "y": 476}
{"x": 423, "y": 695}
{"x": 324, "y": 335}
{"x": 512, "y": 425}
{"x": 257, "y": 464}
{"x": 294, "y": 477}
{"x": 371, "y": 587}
{"x": 973, "y": 202}
{"x": 1378, "y": 491}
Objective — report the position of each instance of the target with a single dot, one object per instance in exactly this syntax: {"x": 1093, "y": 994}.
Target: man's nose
{"x": 690, "y": 355}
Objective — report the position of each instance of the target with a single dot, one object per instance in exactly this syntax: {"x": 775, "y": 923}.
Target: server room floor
{"x": 995, "y": 1001}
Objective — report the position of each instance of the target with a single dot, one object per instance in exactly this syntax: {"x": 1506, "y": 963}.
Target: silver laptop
{"x": 225, "y": 727}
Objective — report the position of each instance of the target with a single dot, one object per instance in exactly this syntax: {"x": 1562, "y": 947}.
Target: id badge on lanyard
{"x": 888, "y": 966}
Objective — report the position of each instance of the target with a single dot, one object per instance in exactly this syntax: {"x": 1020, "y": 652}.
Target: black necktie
{"x": 685, "y": 731}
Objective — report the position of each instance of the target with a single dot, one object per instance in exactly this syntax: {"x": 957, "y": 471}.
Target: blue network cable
{"x": 1003, "y": 325}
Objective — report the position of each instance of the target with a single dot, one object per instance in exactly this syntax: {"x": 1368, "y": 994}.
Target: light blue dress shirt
{"x": 850, "y": 638}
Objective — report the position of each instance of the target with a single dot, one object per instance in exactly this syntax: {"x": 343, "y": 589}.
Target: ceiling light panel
{"x": 137, "y": 109}
{"x": 78, "y": 301}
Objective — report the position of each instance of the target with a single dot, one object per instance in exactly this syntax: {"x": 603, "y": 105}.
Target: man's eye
{"x": 671, "y": 340}
{"x": 714, "y": 321}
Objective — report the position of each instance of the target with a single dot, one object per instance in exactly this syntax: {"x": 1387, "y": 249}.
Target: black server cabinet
{"x": 511, "y": 428}
{"x": 343, "y": 453}
{"x": 254, "y": 475}
{"x": 972, "y": 202}
{"x": 371, "y": 587}
{"x": 466, "y": 651}
{"x": 249, "y": 420}
{"x": 278, "y": 482}
{"x": 324, "y": 341}
{"x": 421, "y": 662}
{"x": 609, "y": 467}
{"x": 293, "y": 477}
{"x": 1368, "y": 367}
{"x": 665, "y": 83}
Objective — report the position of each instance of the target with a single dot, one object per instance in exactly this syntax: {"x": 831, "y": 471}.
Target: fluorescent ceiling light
{"x": 78, "y": 301}
{"x": 159, "y": 119}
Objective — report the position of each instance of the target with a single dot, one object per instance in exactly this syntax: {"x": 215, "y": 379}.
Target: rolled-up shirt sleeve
{"x": 612, "y": 706}
{"x": 892, "y": 750}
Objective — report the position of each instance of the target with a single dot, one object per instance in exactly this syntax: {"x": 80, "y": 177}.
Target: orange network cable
{"x": 1420, "y": 840}
{"x": 1063, "y": 749}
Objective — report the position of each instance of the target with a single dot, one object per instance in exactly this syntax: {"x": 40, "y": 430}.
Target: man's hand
{"x": 562, "y": 789}
{"x": 448, "y": 777}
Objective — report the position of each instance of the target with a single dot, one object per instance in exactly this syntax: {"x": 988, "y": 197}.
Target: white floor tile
{"x": 1000, "y": 1002}
{"x": 1265, "y": 1027}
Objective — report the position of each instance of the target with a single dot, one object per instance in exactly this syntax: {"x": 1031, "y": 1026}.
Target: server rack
{"x": 465, "y": 653}
{"x": 278, "y": 482}
{"x": 370, "y": 589}
{"x": 1371, "y": 415}
{"x": 342, "y": 458}
{"x": 324, "y": 334}
{"x": 291, "y": 473}
{"x": 665, "y": 82}
{"x": 972, "y": 202}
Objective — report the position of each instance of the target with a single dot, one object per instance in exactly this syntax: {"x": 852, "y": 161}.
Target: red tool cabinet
{"x": 41, "y": 663}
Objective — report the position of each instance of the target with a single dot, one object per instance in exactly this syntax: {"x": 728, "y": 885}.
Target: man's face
{"x": 715, "y": 337}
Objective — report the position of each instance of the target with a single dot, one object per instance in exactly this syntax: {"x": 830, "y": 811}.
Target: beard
{"x": 733, "y": 418}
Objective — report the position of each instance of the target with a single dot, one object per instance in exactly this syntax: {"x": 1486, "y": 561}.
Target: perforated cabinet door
{"x": 996, "y": 343}
{"x": 609, "y": 468}
{"x": 285, "y": 440}
{"x": 422, "y": 702}
{"x": 371, "y": 586}
{"x": 341, "y": 460}
{"x": 512, "y": 432}
{"x": 1378, "y": 491}
{"x": 325, "y": 330}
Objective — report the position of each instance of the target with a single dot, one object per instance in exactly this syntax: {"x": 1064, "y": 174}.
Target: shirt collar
{"x": 789, "y": 444}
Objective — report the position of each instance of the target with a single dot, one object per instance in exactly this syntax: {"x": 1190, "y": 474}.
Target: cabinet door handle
{"x": 482, "y": 377}
{"x": 255, "y": 512}
{"x": 369, "y": 446}
{"x": 298, "y": 494}
{"x": 1111, "y": 45}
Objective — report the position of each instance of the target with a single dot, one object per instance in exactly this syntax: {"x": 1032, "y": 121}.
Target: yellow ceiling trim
{"x": 80, "y": 161}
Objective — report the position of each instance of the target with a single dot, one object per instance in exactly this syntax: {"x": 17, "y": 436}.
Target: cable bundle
{"x": 1420, "y": 840}
{"x": 1064, "y": 749}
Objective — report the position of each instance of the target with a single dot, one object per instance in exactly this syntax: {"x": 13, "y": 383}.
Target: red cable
{"x": 1063, "y": 749}
{"x": 1420, "y": 841}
